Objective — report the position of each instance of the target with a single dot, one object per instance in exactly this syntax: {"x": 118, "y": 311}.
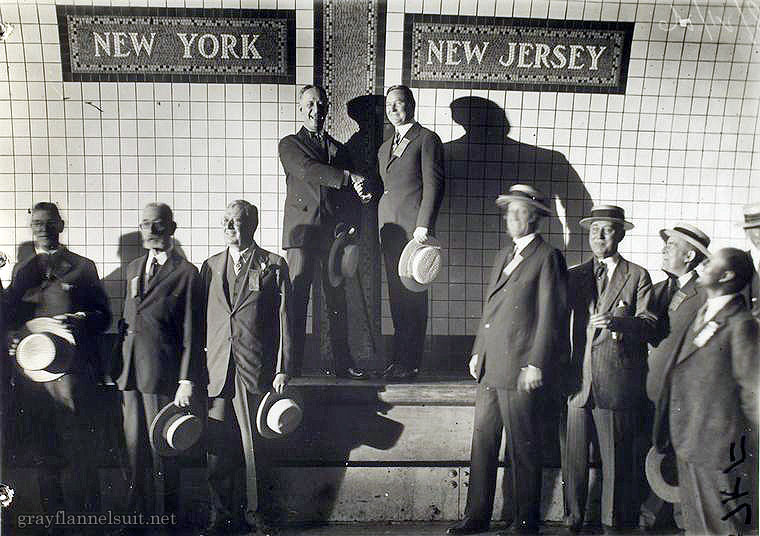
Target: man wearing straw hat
{"x": 521, "y": 333}
{"x": 64, "y": 288}
{"x": 249, "y": 345}
{"x": 675, "y": 301}
{"x": 611, "y": 325}
{"x": 751, "y": 292}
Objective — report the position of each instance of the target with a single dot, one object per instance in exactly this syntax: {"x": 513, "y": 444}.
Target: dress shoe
{"x": 354, "y": 373}
{"x": 568, "y": 530}
{"x": 521, "y": 528}
{"x": 467, "y": 526}
{"x": 394, "y": 371}
{"x": 614, "y": 531}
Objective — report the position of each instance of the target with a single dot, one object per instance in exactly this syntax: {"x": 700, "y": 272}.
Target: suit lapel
{"x": 410, "y": 135}
{"x": 689, "y": 347}
{"x": 162, "y": 273}
{"x": 617, "y": 282}
{"x": 499, "y": 262}
{"x": 525, "y": 254}
{"x": 61, "y": 264}
{"x": 251, "y": 270}
{"x": 315, "y": 151}
{"x": 220, "y": 269}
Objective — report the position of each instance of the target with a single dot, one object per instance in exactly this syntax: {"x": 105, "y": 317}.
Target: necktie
{"x": 153, "y": 269}
{"x": 699, "y": 320}
{"x": 239, "y": 265}
{"x": 672, "y": 288}
{"x": 396, "y": 141}
{"x": 600, "y": 272}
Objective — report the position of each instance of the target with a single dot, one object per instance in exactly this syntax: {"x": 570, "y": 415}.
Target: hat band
{"x": 607, "y": 213}
{"x": 693, "y": 235}
{"x": 526, "y": 195}
{"x": 752, "y": 218}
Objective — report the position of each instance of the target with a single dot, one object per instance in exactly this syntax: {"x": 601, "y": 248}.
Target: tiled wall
{"x": 679, "y": 145}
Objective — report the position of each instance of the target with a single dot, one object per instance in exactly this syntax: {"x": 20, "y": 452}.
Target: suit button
{"x": 387, "y": 192}
{"x": 487, "y": 326}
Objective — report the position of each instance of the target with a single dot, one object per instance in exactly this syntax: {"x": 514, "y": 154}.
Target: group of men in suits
{"x": 323, "y": 190}
{"x": 586, "y": 333}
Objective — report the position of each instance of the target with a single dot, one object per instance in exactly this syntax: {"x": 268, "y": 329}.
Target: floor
{"x": 418, "y": 529}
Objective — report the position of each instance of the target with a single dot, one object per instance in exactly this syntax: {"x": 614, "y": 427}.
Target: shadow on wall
{"x": 486, "y": 162}
{"x": 314, "y": 459}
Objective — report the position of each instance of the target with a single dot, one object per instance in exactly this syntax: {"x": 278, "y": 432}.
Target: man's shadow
{"x": 490, "y": 162}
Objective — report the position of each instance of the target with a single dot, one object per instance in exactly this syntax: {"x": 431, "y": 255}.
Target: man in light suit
{"x": 249, "y": 350}
{"x": 58, "y": 283}
{"x": 411, "y": 168}
{"x": 611, "y": 325}
{"x": 751, "y": 292}
{"x": 675, "y": 301}
{"x": 161, "y": 355}
{"x": 710, "y": 398}
{"x": 522, "y": 331}
{"x": 321, "y": 192}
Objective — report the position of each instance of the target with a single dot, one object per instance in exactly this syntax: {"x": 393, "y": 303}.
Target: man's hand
{"x": 530, "y": 378}
{"x": 360, "y": 183}
{"x": 474, "y": 366}
{"x": 600, "y": 320}
{"x": 12, "y": 346}
{"x": 184, "y": 395}
{"x": 72, "y": 321}
{"x": 421, "y": 234}
{"x": 280, "y": 381}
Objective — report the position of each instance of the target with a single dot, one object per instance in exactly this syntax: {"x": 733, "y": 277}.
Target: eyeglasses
{"x": 46, "y": 224}
{"x": 157, "y": 227}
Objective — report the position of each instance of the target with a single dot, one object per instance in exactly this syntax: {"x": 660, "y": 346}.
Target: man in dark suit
{"x": 710, "y": 399}
{"x": 751, "y": 292}
{"x": 611, "y": 325}
{"x": 58, "y": 283}
{"x": 249, "y": 350}
{"x": 521, "y": 332}
{"x": 321, "y": 192}
{"x": 411, "y": 168}
{"x": 675, "y": 302}
{"x": 161, "y": 355}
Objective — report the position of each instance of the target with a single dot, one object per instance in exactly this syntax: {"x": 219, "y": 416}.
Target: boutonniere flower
{"x": 66, "y": 286}
{"x": 706, "y": 333}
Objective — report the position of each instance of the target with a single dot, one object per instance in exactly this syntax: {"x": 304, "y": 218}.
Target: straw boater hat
{"x": 344, "y": 255}
{"x": 48, "y": 352}
{"x": 751, "y": 215}
{"x": 662, "y": 488}
{"x": 527, "y": 194}
{"x": 174, "y": 430}
{"x": 420, "y": 264}
{"x": 611, "y": 213}
{"x": 690, "y": 234}
{"x": 278, "y": 415}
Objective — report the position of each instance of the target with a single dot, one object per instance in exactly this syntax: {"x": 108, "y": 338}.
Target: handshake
{"x": 361, "y": 185}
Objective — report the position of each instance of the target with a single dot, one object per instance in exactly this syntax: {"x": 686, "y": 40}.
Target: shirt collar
{"x": 714, "y": 305}
{"x": 611, "y": 263}
{"x": 160, "y": 256}
{"x": 236, "y": 254}
{"x": 403, "y": 129}
{"x": 685, "y": 278}
{"x": 39, "y": 251}
{"x": 522, "y": 242}
{"x": 755, "y": 254}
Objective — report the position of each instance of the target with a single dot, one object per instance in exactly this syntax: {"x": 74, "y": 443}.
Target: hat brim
{"x": 505, "y": 199}
{"x": 46, "y": 325}
{"x": 261, "y": 414}
{"x": 665, "y": 233}
{"x": 157, "y": 439}
{"x": 750, "y": 225}
{"x": 403, "y": 263}
{"x": 586, "y": 222}
{"x": 335, "y": 273}
{"x": 664, "y": 490}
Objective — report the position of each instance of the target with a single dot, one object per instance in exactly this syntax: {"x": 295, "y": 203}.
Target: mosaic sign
{"x": 510, "y": 53}
{"x": 177, "y": 45}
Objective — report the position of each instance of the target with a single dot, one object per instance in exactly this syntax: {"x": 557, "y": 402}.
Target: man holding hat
{"x": 710, "y": 405}
{"x": 751, "y": 292}
{"x": 675, "y": 301}
{"x": 249, "y": 345}
{"x": 161, "y": 355}
{"x": 411, "y": 168}
{"x": 64, "y": 289}
{"x": 322, "y": 191}
{"x": 521, "y": 333}
{"x": 611, "y": 325}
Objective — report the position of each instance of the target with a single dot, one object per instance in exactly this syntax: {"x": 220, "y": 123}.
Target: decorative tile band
{"x": 511, "y": 53}
{"x": 177, "y": 45}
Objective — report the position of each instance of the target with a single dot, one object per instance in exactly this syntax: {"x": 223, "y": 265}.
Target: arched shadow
{"x": 315, "y": 458}
{"x": 485, "y": 162}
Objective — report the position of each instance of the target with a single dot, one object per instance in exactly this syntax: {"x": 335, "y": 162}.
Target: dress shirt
{"x": 160, "y": 256}
{"x": 239, "y": 255}
{"x": 755, "y": 254}
{"x": 40, "y": 251}
{"x": 611, "y": 262}
{"x": 685, "y": 278}
{"x": 401, "y": 130}
{"x": 520, "y": 244}
{"x": 714, "y": 305}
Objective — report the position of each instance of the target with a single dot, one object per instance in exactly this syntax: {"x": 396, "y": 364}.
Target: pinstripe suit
{"x": 606, "y": 388}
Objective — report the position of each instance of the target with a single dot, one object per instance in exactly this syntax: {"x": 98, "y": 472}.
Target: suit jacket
{"x": 316, "y": 198}
{"x": 525, "y": 316}
{"x": 163, "y": 324}
{"x": 671, "y": 318}
{"x": 614, "y": 366}
{"x": 256, "y": 330}
{"x": 413, "y": 180}
{"x": 713, "y": 388}
{"x": 69, "y": 283}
